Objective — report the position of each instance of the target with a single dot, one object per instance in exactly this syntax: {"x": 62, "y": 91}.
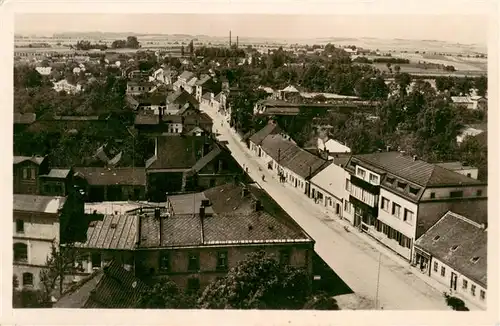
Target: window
{"x": 348, "y": 185}
{"x": 479, "y": 193}
{"x": 396, "y": 209}
{"x": 25, "y": 173}
{"x": 435, "y": 266}
{"x": 469, "y": 175}
{"x": 456, "y": 194}
{"x": 347, "y": 206}
{"x": 373, "y": 178}
{"x": 465, "y": 284}
{"x": 222, "y": 260}
{"x": 164, "y": 262}
{"x": 284, "y": 257}
{"x": 408, "y": 217}
{"x": 473, "y": 290}
{"x": 413, "y": 190}
{"x": 96, "y": 260}
{"x": 433, "y": 195}
{"x": 33, "y": 172}
{"x": 402, "y": 185}
{"x": 20, "y": 252}
{"x": 27, "y": 279}
{"x": 390, "y": 180}
{"x": 19, "y": 226}
{"x": 385, "y": 204}
{"x": 194, "y": 262}
{"x": 443, "y": 271}
{"x": 361, "y": 173}
{"x": 482, "y": 295}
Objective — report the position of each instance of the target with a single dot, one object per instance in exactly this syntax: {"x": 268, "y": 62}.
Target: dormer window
{"x": 474, "y": 259}
{"x": 413, "y": 190}
{"x": 402, "y": 185}
{"x": 436, "y": 238}
{"x": 390, "y": 180}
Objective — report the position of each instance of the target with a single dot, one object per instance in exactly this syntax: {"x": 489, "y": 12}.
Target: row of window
{"x": 396, "y": 210}
{"x": 29, "y": 173}
{"x": 465, "y": 283}
{"x": 361, "y": 194}
{"x": 393, "y": 234}
{"x": 373, "y": 178}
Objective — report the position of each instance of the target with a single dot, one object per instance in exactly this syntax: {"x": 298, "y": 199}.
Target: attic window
{"x": 454, "y": 248}
{"x": 436, "y": 238}
{"x": 390, "y": 180}
{"x": 413, "y": 190}
{"x": 402, "y": 185}
{"x": 474, "y": 259}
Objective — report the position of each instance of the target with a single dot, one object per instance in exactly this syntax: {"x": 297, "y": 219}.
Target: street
{"x": 367, "y": 271}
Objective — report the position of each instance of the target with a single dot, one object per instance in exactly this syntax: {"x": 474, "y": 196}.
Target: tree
{"x": 455, "y": 303}
{"x": 388, "y": 64}
{"x": 258, "y": 282}
{"x": 191, "y": 48}
{"x": 59, "y": 264}
{"x": 397, "y": 69}
{"x": 132, "y": 42}
{"x": 164, "y": 294}
{"x": 321, "y": 301}
{"x": 481, "y": 84}
{"x": 182, "y": 51}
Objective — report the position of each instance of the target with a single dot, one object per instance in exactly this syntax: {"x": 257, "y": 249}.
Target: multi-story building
{"x": 454, "y": 253}
{"x": 27, "y": 169}
{"x": 197, "y": 237}
{"x": 396, "y": 198}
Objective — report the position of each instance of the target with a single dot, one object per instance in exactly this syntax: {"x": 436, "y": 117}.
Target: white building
{"x": 44, "y": 71}
{"x": 35, "y": 228}
{"x": 472, "y": 131}
{"x": 454, "y": 253}
{"x": 332, "y": 146}
{"x": 461, "y": 168}
{"x": 64, "y": 85}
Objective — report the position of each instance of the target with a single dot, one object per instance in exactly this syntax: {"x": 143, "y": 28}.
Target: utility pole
{"x": 279, "y": 166}
{"x": 378, "y": 280}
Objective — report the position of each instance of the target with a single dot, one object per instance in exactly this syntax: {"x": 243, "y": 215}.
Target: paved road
{"x": 352, "y": 258}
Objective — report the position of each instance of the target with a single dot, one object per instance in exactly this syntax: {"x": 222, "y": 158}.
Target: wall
{"x": 430, "y": 212}
{"x": 300, "y": 256}
{"x": 461, "y": 292}
{"x": 37, "y": 225}
{"x": 332, "y": 180}
{"x": 444, "y": 193}
{"x": 408, "y": 228}
{"x": 19, "y": 270}
{"x": 29, "y": 185}
{"x": 471, "y": 173}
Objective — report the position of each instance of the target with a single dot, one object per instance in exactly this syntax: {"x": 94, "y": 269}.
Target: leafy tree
{"x": 481, "y": 84}
{"x": 455, "y": 303}
{"x": 164, "y": 294}
{"x": 59, "y": 264}
{"x": 321, "y": 301}
{"x": 474, "y": 152}
{"x": 132, "y": 42}
{"x": 258, "y": 282}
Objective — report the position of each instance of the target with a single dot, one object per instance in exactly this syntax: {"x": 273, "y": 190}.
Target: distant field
{"x": 413, "y": 69}
{"x": 458, "y": 62}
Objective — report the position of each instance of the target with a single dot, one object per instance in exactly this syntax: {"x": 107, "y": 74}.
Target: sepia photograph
{"x": 217, "y": 161}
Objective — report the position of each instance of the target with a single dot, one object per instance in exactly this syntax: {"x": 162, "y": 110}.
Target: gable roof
{"x": 109, "y": 287}
{"x": 176, "y": 152}
{"x": 99, "y": 176}
{"x": 416, "y": 171}
{"x": 35, "y": 203}
{"x": 35, "y": 159}
{"x": 292, "y": 157}
{"x": 270, "y": 129}
{"x": 202, "y": 162}
{"x": 182, "y": 97}
{"x": 117, "y": 232}
{"x": 471, "y": 238}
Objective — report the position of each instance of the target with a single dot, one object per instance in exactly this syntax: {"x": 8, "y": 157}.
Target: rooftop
{"x": 109, "y": 287}
{"x": 35, "y": 159}
{"x": 57, "y": 173}
{"x": 36, "y": 203}
{"x": 234, "y": 221}
{"x": 117, "y": 232}
{"x": 186, "y": 75}
{"x": 417, "y": 171}
{"x": 270, "y": 129}
{"x": 459, "y": 243}
{"x": 176, "y": 152}
{"x": 100, "y": 176}
{"x": 453, "y": 166}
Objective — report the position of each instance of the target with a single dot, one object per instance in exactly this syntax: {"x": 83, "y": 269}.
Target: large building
{"x": 454, "y": 253}
{"x": 195, "y": 238}
{"x": 396, "y": 197}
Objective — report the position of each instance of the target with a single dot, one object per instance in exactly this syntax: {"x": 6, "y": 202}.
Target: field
{"x": 414, "y": 70}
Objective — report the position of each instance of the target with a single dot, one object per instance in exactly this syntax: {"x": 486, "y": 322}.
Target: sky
{"x": 471, "y": 29}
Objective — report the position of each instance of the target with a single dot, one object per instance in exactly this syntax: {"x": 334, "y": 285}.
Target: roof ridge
{"x": 465, "y": 219}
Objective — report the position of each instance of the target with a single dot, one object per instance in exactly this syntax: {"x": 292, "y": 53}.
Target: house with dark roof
{"x": 454, "y": 253}
{"x": 395, "y": 198}
{"x": 255, "y": 140}
{"x": 292, "y": 164}
{"x": 203, "y": 235}
{"x": 183, "y": 163}
{"x": 111, "y": 287}
{"x": 183, "y": 100}
{"x": 111, "y": 184}
{"x": 27, "y": 169}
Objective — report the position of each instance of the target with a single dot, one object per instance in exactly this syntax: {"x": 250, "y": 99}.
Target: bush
{"x": 455, "y": 303}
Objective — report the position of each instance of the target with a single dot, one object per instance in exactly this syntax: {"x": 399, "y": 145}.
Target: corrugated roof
{"x": 35, "y": 203}
{"x": 416, "y": 171}
{"x": 117, "y": 232}
{"x": 99, "y": 176}
{"x": 109, "y": 287}
{"x": 471, "y": 241}
{"x": 35, "y": 159}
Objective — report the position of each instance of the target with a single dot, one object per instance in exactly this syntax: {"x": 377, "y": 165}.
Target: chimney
{"x": 139, "y": 228}
{"x": 258, "y": 205}
{"x": 202, "y": 213}
{"x": 414, "y": 157}
{"x": 157, "y": 213}
{"x": 244, "y": 192}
